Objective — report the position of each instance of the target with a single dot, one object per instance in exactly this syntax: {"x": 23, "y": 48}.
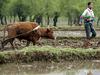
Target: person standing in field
{"x": 55, "y": 19}
{"x": 89, "y": 18}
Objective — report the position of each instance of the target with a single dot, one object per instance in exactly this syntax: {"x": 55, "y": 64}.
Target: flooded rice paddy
{"x": 46, "y": 68}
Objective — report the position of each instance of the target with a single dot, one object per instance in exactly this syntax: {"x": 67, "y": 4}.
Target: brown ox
{"x": 25, "y": 30}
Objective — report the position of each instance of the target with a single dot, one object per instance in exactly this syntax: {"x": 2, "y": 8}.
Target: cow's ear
{"x": 48, "y": 30}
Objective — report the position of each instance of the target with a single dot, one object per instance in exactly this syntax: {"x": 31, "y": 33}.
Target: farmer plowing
{"x": 89, "y": 18}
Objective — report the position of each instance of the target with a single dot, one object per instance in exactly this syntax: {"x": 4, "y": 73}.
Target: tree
{"x": 33, "y": 8}
{"x": 21, "y": 10}
{"x": 2, "y": 10}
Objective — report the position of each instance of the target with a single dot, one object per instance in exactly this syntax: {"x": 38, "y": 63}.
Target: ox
{"x": 29, "y": 31}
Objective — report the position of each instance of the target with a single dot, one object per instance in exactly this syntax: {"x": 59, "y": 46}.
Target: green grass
{"x": 48, "y": 53}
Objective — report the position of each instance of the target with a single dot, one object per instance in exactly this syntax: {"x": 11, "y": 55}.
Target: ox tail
{"x": 4, "y": 30}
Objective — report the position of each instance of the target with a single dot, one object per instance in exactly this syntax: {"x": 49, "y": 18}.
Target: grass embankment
{"x": 48, "y": 53}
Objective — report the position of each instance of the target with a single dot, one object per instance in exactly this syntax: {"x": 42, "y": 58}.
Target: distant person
{"x": 39, "y": 19}
{"x": 89, "y": 18}
{"x": 55, "y": 19}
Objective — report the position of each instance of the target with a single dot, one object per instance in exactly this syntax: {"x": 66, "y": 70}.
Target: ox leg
{"x": 28, "y": 43}
{"x": 39, "y": 41}
{"x": 3, "y": 43}
{"x": 34, "y": 42}
{"x": 11, "y": 42}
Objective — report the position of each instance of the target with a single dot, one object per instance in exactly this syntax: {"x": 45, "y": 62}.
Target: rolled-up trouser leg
{"x": 92, "y": 30}
{"x": 88, "y": 30}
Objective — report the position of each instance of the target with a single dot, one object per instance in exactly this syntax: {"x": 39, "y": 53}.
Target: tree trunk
{"x": 30, "y": 18}
{"x": 10, "y": 19}
{"x": 5, "y": 19}
{"x": 70, "y": 21}
{"x": 19, "y": 17}
{"x": 98, "y": 21}
{"x": 2, "y": 20}
{"x": 14, "y": 19}
{"x": 48, "y": 19}
{"x": 23, "y": 18}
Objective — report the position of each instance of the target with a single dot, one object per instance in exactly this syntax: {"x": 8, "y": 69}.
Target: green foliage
{"x": 46, "y": 6}
{"x": 66, "y": 8}
{"x": 3, "y": 7}
{"x": 48, "y": 53}
{"x": 20, "y": 9}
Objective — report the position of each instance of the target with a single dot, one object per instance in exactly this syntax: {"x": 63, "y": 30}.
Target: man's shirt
{"x": 88, "y": 15}
{"x": 88, "y": 12}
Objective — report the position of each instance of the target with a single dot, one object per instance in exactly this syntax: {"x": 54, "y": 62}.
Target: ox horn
{"x": 36, "y": 28}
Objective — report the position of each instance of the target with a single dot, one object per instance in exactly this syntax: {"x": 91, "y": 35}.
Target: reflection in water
{"x": 87, "y": 72}
{"x": 46, "y": 68}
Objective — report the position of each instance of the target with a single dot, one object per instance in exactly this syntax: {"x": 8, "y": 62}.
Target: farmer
{"x": 89, "y": 18}
{"x": 55, "y": 19}
{"x": 39, "y": 19}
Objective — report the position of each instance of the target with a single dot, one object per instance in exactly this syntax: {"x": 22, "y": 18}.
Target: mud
{"x": 63, "y": 43}
{"x": 73, "y": 39}
{"x": 46, "y": 68}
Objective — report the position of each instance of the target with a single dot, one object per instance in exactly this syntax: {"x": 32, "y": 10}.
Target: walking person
{"x": 55, "y": 19}
{"x": 89, "y": 18}
{"x": 39, "y": 19}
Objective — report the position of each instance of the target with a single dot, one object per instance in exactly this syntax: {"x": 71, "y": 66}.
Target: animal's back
{"x": 20, "y": 27}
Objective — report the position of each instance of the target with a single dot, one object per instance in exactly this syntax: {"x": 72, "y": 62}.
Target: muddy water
{"x": 67, "y": 42}
{"x": 72, "y": 33}
{"x": 64, "y": 33}
{"x": 46, "y": 68}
